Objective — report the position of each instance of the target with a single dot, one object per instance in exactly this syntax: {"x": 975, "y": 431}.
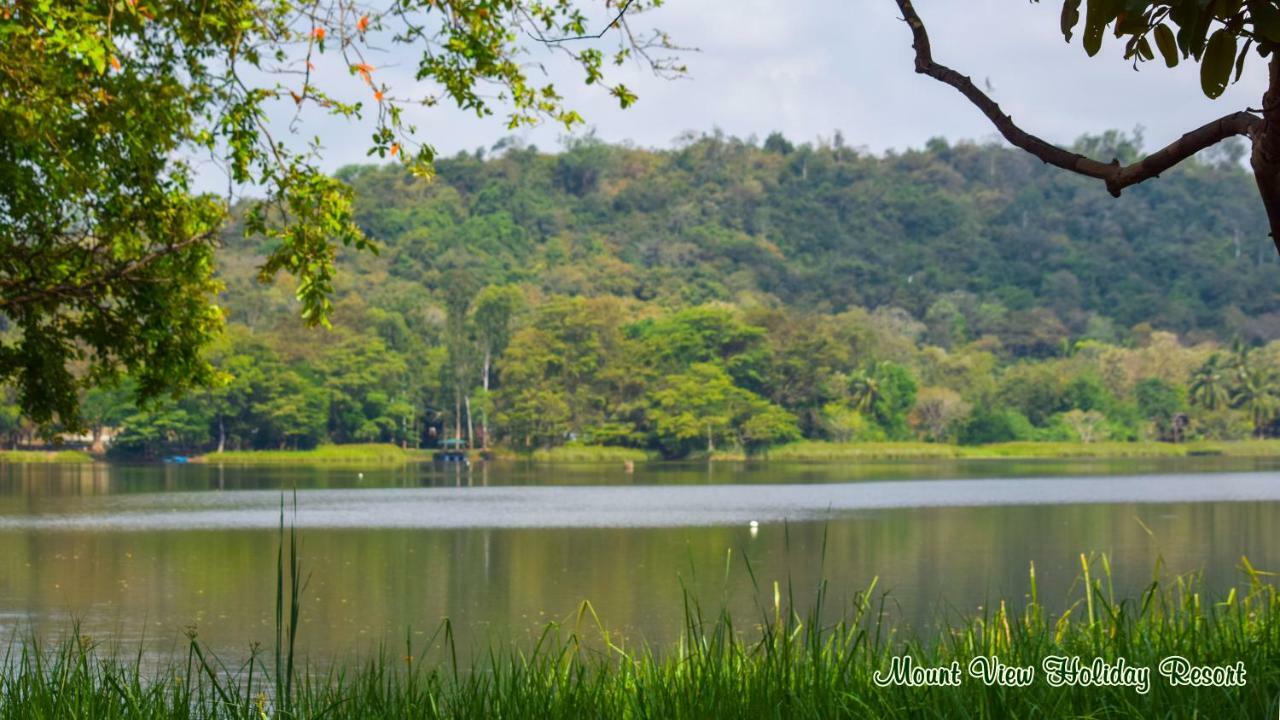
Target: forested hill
{"x": 723, "y": 295}
{"x": 983, "y": 239}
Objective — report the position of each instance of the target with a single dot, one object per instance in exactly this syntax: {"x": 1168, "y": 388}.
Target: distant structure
{"x": 451, "y": 450}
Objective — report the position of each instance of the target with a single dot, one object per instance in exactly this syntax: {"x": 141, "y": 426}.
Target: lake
{"x": 139, "y": 553}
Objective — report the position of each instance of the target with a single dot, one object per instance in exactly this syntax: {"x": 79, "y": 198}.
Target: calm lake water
{"x": 143, "y": 552}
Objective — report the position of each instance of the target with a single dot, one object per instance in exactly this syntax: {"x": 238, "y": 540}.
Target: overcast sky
{"x": 809, "y": 68}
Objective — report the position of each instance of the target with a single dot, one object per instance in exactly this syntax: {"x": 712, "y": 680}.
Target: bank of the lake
{"x": 44, "y": 456}
{"x": 828, "y": 451}
{"x": 383, "y": 454}
{"x": 352, "y": 454}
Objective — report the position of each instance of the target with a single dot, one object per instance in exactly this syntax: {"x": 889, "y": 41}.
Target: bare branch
{"x": 1116, "y": 176}
{"x": 614, "y": 23}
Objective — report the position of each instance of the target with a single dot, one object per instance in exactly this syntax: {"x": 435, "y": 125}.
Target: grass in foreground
{"x": 780, "y": 664}
{"x": 371, "y": 453}
{"x": 44, "y": 456}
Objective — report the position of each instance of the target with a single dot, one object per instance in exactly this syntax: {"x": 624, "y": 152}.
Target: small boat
{"x": 451, "y": 450}
{"x": 176, "y": 459}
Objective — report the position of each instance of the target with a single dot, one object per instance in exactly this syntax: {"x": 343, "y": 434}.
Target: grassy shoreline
{"x": 45, "y": 456}
{"x": 364, "y": 453}
{"x": 804, "y": 451}
{"x": 824, "y": 451}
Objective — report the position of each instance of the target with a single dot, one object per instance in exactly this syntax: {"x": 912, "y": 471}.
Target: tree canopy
{"x": 107, "y": 252}
{"x": 704, "y": 297}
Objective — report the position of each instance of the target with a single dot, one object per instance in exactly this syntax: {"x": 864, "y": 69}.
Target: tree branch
{"x": 1116, "y": 176}
{"x": 86, "y": 287}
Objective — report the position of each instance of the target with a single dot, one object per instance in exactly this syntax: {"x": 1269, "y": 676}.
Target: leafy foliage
{"x": 714, "y": 297}
{"x": 1217, "y": 35}
{"x": 106, "y": 252}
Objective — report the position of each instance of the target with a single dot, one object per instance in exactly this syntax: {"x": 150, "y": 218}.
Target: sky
{"x": 810, "y": 68}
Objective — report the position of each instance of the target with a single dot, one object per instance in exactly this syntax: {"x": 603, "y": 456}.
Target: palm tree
{"x": 864, "y": 391}
{"x": 1209, "y": 384}
{"x": 1258, "y": 392}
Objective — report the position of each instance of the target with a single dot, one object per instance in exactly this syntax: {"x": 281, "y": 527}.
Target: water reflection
{"x": 371, "y": 583}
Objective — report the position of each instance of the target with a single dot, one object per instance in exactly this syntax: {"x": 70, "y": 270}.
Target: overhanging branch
{"x": 1116, "y": 176}
{"x": 15, "y": 294}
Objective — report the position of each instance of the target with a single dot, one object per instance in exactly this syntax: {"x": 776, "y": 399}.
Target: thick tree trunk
{"x": 222, "y": 433}
{"x": 1266, "y": 151}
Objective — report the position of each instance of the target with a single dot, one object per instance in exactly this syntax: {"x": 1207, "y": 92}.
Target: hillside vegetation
{"x": 729, "y": 295}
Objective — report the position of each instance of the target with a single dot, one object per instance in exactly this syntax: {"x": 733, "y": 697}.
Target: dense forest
{"x": 732, "y": 293}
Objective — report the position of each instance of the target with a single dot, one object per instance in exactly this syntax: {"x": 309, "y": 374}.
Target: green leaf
{"x": 1167, "y": 45}
{"x": 1244, "y": 52}
{"x": 1144, "y": 49}
{"x": 1191, "y": 35}
{"x": 1215, "y": 68}
{"x": 1266, "y": 20}
{"x": 1098, "y": 14}
{"x": 1070, "y": 16}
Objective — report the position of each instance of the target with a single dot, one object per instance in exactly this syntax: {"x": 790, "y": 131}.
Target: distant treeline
{"x": 732, "y": 294}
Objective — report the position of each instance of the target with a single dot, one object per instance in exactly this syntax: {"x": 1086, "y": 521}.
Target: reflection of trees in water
{"x": 371, "y": 584}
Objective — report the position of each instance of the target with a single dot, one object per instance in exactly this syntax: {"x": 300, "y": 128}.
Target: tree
{"x": 844, "y": 424}
{"x": 1086, "y": 424}
{"x": 1218, "y": 35}
{"x": 106, "y": 252}
{"x": 1209, "y": 387}
{"x": 1164, "y": 405}
{"x": 937, "y": 410}
{"x": 886, "y": 394}
{"x": 1256, "y": 389}
{"x": 461, "y": 283}
{"x": 864, "y": 391}
{"x": 703, "y": 406}
{"x": 10, "y": 417}
{"x": 104, "y": 407}
{"x": 366, "y": 386}
{"x": 569, "y": 371}
{"x": 993, "y": 425}
{"x": 495, "y": 307}
{"x": 169, "y": 425}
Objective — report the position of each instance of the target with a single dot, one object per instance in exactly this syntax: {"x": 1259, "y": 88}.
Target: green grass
{"x": 590, "y": 454}
{"x": 808, "y": 450}
{"x": 781, "y": 662}
{"x": 1076, "y": 450}
{"x": 829, "y": 451}
{"x": 44, "y": 456}
{"x": 372, "y": 454}
{"x": 818, "y": 450}
{"x": 1244, "y": 448}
